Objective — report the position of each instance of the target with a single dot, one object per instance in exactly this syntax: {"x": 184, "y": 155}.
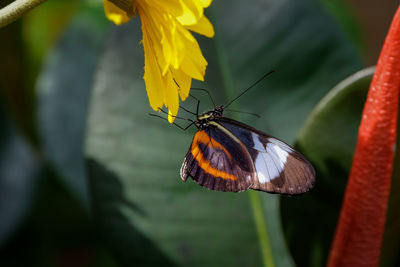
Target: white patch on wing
{"x": 280, "y": 144}
{"x": 257, "y": 144}
{"x": 273, "y": 169}
{"x": 266, "y": 168}
{"x": 271, "y": 158}
{"x": 277, "y": 151}
{"x": 261, "y": 168}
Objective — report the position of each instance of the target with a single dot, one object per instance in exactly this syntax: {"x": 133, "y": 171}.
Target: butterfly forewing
{"x": 216, "y": 161}
{"x": 279, "y": 168}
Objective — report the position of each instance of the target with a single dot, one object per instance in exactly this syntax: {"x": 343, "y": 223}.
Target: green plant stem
{"x": 266, "y": 250}
{"x": 16, "y": 9}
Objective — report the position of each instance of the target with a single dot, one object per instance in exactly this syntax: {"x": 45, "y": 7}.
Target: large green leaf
{"x": 148, "y": 215}
{"x": 63, "y": 88}
{"x": 328, "y": 139}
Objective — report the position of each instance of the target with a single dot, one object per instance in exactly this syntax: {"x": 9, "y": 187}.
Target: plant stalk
{"x": 16, "y": 9}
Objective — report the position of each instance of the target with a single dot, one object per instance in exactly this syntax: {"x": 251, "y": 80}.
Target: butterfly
{"x": 227, "y": 155}
{"x": 230, "y": 156}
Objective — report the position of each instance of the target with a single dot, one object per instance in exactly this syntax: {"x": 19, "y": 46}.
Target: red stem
{"x": 358, "y": 237}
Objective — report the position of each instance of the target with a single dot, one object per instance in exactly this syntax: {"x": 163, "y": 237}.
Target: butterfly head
{"x": 204, "y": 119}
{"x": 218, "y": 110}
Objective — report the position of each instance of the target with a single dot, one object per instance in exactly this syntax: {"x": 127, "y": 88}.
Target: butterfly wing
{"x": 218, "y": 162}
{"x": 279, "y": 168}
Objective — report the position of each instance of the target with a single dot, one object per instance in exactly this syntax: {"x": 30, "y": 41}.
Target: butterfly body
{"x": 227, "y": 155}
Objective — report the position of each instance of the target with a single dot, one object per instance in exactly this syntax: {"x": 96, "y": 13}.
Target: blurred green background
{"x": 87, "y": 178}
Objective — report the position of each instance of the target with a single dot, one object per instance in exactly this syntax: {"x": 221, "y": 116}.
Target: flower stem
{"x": 16, "y": 9}
{"x": 266, "y": 250}
{"x": 358, "y": 237}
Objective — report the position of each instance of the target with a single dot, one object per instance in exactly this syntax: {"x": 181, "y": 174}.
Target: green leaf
{"x": 63, "y": 88}
{"x": 147, "y": 214}
{"x": 19, "y": 169}
{"x": 328, "y": 140}
{"x": 337, "y": 115}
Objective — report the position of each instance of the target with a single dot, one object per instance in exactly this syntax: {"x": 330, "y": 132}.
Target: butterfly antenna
{"x": 245, "y": 112}
{"x": 251, "y": 86}
{"x": 202, "y": 89}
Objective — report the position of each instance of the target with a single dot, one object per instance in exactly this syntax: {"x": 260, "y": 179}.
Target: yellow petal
{"x": 173, "y": 7}
{"x": 171, "y": 116}
{"x": 172, "y": 55}
{"x": 192, "y": 11}
{"x": 203, "y": 26}
{"x": 193, "y": 64}
{"x": 172, "y": 98}
{"x": 191, "y": 69}
{"x": 152, "y": 75}
{"x": 161, "y": 29}
{"x": 206, "y": 3}
{"x": 114, "y": 13}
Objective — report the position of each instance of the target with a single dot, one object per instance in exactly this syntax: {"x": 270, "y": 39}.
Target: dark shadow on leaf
{"x": 131, "y": 248}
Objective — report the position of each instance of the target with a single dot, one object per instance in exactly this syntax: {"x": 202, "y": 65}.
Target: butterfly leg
{"x": 188, "y": 111}
{"x": 208, "y": 93}
{"x": 187, "y": 127}
{"x": 198, "y": 104}
{"x": 174, "y": 123}
{"x": 177, "y": 117}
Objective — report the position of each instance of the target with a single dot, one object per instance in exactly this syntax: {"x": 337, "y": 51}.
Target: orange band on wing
{"x": 203, "y": 137}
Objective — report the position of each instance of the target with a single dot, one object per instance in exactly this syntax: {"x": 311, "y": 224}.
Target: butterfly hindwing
{"x": 279, "y": 168}
{"x": 218, "y": 162}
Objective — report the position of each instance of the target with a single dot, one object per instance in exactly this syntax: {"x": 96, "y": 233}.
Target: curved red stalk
{"x": 358, "y": 236}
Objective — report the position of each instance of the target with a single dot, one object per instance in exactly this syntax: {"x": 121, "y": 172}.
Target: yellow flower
{"x": 172, "y": 55}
